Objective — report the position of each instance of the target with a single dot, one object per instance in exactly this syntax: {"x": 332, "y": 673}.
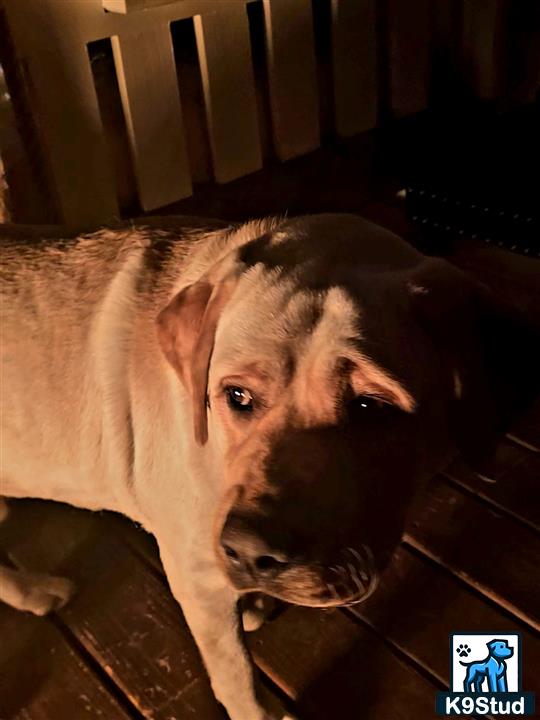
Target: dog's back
{"x": 54, "y": 330}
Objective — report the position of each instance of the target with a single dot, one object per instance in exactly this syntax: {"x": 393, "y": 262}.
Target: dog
{"x": 265, "y": 398}
{"x": 493, "y": 669}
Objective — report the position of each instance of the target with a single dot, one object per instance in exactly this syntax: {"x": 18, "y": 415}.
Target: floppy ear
{"x": 186, "y": 330}
{"x": 489, "y": 349}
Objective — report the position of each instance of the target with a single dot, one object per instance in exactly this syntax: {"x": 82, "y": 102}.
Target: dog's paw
{"x": 46, "y": 593}
{"x": 463, "y": 650}
{"x": 256, "y": 609}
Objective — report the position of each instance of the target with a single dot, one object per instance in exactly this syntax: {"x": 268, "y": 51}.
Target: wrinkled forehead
{"x": 273, "y": 321}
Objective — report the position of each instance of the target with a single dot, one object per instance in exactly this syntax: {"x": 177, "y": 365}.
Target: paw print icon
{"x": 463, "y": 650}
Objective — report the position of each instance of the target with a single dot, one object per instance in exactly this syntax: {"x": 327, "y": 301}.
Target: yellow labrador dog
{"x": 264, "y": 398}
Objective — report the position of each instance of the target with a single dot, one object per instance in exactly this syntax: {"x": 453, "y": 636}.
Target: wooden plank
{"x": 292, "y": 76}
{"x": 354, "y": 49}
{"x": 527, "y": 428}
{"x": 141, "y": 542}
{"x": 41, "y": 677}
{"x": 122, "y": 613}
{"x": 302, "y": 645}
{"x": 129, "y": 6}
{"x": 417, "y": 605}
{"x": 67, "y": 115}
{"x": 446, "y": 83}
{"x": 446, "y": 32}
{"x": 227, "y": 75}
{"x": 512, "y": 481}
{"x": 493, "y": 553}
{"x": 409, "y": 40}
{"x": 522, "y": 52}
{"x": 149, "y": 88}
{"x": 483, "y": 22}
{"x": 328, "y": 665}
{"x": 47, "y": 534}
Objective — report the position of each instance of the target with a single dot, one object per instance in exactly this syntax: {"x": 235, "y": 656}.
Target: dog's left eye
{"x": 239, "y": 399}
{"x": 368, "y": 402}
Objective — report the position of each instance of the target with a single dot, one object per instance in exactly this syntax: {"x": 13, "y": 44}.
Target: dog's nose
{"x": 248, "y": 554}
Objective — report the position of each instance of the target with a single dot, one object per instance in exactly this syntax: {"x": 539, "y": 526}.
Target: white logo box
{"x": 478, "y": 645}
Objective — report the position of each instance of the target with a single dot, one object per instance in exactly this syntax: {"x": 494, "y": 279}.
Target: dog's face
{"x": 312, "y": 369}
{"x": 318, "y": 443}
{"x": 500, "y": 649}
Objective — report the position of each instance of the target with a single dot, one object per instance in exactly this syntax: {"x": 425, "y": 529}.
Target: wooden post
{"x": 149, "y": 89}
{"x": 354, "y": 54}
{"x": 292, "y": 76}
{"x": 409, "y": 41}
{"x": 227, "y": 74}
{"x": 67, "y": 115}
{"x": 482, "y": 31}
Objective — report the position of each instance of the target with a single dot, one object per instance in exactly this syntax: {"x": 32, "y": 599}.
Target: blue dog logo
{"x": 493, "y": 668}
{"x": 491, "y": 686}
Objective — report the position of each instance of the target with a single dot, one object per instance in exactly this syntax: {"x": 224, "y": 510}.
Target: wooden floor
{"x": 121, "y": 648}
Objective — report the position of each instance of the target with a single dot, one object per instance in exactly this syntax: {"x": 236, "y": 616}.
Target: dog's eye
{"x": 368, "y": 402}
{"x": 239, "y": 399}
{"x": 365, "y": 407}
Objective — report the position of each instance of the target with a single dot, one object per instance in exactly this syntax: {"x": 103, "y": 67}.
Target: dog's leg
{"x": 478, "y": 683}
{"x": 35, "y": 593}
{"x": 210, "y": 609}
{"x": 501, "y": 685}
{"x": 491, "y": 677}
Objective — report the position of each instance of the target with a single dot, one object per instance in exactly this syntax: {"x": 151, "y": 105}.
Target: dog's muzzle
{"x": 252, "y": 564}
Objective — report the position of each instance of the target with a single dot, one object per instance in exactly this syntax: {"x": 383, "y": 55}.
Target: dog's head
{"x": 500, "y": 649}
{"x": 333, "y": 367}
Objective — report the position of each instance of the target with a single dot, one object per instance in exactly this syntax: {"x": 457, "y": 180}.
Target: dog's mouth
{"x": 349, "y": 581}
{"x": 327, "y": 597}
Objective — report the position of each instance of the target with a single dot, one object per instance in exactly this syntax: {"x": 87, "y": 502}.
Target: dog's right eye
{"x": 239, "y": 399}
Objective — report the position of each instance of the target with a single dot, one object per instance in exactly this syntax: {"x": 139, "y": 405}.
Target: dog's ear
{"x": 186, "y": 330}
{"x": 490, "y": 352}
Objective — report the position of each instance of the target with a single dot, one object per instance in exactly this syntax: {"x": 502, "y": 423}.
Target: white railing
{"x": 51, "y": 38}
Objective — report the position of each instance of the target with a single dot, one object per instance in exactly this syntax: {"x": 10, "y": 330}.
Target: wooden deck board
{"x": 511, "y": 483}
{"x": 527, "y": 428}
{"x": 417, "y": 606}
{"x": 329, "y": 664}
{"x": 495, "y": 554}
{"x": 42, "y": 677}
